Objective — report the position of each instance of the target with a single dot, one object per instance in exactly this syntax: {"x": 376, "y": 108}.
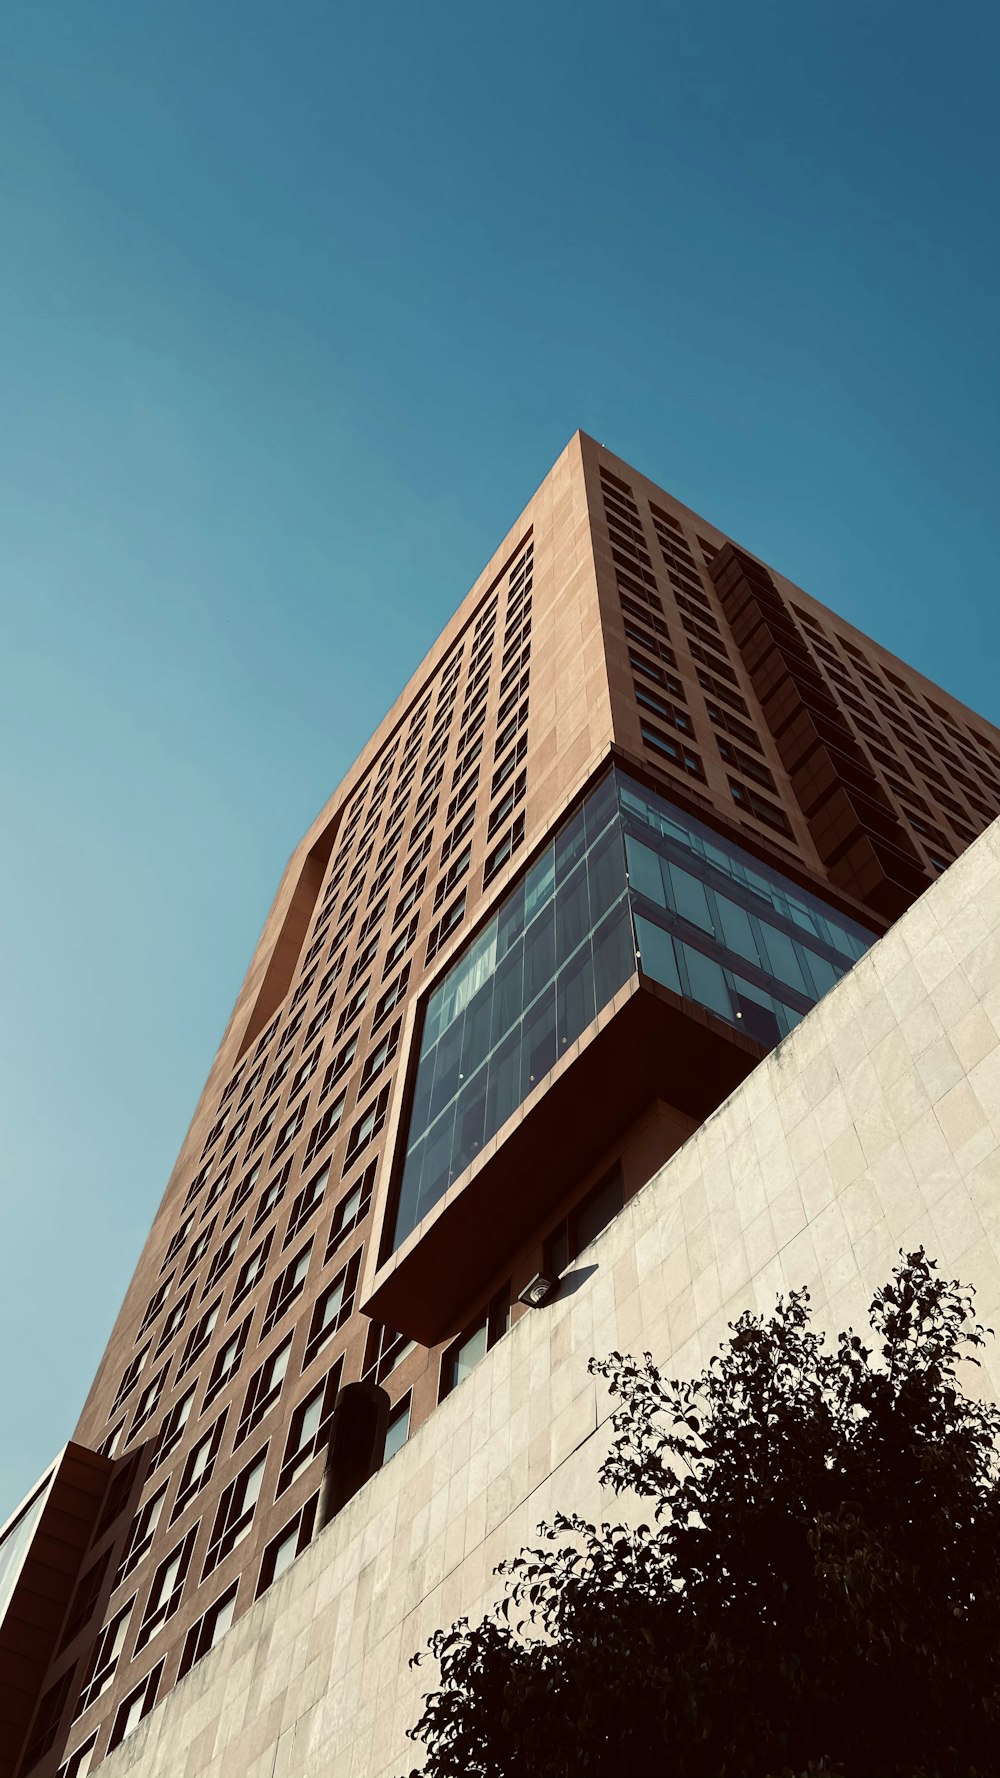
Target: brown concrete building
{"x": 642, "y": 805}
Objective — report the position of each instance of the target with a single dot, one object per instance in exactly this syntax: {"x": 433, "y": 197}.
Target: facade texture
{"x": 644, "y": 805}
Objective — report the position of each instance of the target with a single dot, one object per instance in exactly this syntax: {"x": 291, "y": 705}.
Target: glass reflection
{"x": 626, "y": 873}
{"x": 559, "y": 948}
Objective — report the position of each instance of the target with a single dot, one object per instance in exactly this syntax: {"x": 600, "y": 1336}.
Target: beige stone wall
{"x": 875, "y": 1126}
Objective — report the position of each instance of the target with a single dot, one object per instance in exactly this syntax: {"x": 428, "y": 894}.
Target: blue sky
{"x": 298, "y": 304}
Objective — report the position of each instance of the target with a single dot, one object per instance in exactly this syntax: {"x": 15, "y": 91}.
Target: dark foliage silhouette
{"x": 818, "y": 1590}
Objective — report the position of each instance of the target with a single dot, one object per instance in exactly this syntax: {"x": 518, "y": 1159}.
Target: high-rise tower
{"x": 640, "y": 807}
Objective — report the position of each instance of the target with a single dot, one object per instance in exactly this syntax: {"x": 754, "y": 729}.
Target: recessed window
{"x": 148, "y": 1401}
{"x": 398, "y": 1430}
{"x": 209, "y": 1629}
{"x": 289, "y": 1130}
{"x": 287, "y": 1288}
{"x": 130, "y": 1376}
{"x": 390, "y": 998}
{"x": 444, "y": 927}
{"x": 378, "y": 1058}
{"x": 199, "y": 1336}
{"x": 223, "y": 1258}
{"x": 367, "y": 1127}
{"x": 400, "y": 945}
{"x": 465, "y": 1353}
{"x": 352, "y": 1209}
{"x": 227, "y": 1361}
{"x": 291, "y": 1540}
{"x": 310, "y": 1428}
{"x": 270, "y": 1199}
{"x": 236, "y": 1510}
{"x": 333, "y": 1307}
{"x": 306, "y": 1203}
{"x": 263, "y": 1390}
{"x": 341, "y": 1061}
{"x": 199, "y": 1466}
{"x": 173, "y": 1426}
{"x": 138, "y": 1704}
{"x": 324, "y": 1128}
{"x": 504, "y": 848}
{"x": 165, "y": 1592}
{"x": 104, "y": 1658}
{"x": 140, "y": 1535}
{"x": 585, "y": 1222}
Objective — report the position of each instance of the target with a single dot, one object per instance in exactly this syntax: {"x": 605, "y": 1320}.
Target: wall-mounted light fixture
{"x": 537, "y": 1291}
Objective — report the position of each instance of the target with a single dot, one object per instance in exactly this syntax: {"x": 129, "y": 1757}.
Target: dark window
{"x": 199, "y": 1336}
{"x": 199, "y": 1465}
{"x": 130, "y": 1376}
{"x": 251, "y": 1271}
{"x": 138, "y": 1704}
{"x": 287, "y": 1288}
{"x": 324, "y": 1127}
{"x": 227, "y": 1362}
{"x": 457, "y": 833}
{"x": 384, "y": 1349}
{"x": 289, "y": 1130}
{"x": 759, "y": 807}
{"x": 271, "y": 1197}
{"x": 454, "y": 874}
{"x": 683, "y": 757}
{"x": 305, "y": 1204}
{"x": 367, "y": 1126}
{"x": 310, "y": 1428}
{"x": 352, "y": 1209}
{"x": 173, "y": 1426}
{"x": 210, "y": 1629}
{"x": 223, "y": 1258}
{"x": 104, "y": 1658}
{"x": 380, "y": 1057}
{"x": 751, "y": 768}
{"x": 390, "y": 998}
{"x": 165, "y": 1592}
{"x": 243, "y": 1191}
{"x": 412, "y": 895}
{"x": 140, "y": 1535}
{"x": 504, "y": 848}
{"x": 585, "y": 1222}
{"x": 333, "y": 1307}
{"x": 263, "y": 1390}
{"x": 464, "y": 1353}
{"x": 507, "y": 804}
{"x": 291, "y": 1540}
{"x": 199, "y": 1248}
{"x": 342, "y": 1060}
{"x": 444, "y": 927}
{"x": 462, "y": 796}
{"x": 398, "y": 1430}
{"x": 155, "y": 1304}
{"x": 235, "y": 1515}
{"x": 400, "y": 946}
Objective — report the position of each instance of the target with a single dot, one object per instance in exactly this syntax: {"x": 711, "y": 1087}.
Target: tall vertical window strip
{"x": 629, "y": 882}
{"x": 558, "y": 950}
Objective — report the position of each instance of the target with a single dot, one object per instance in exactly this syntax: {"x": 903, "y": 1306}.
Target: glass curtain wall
{"x": 719, "y": 927}
{"x": 559, "y": 948}
{"x": 629, "y": 881}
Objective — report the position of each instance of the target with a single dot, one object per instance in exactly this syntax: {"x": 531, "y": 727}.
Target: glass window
{"x": 561, "y": 945}
{"x": 656, "y": 950}
{"x": 690, "y": 899}
{"x": 397, "y": 1430}
{"x": 527, "y": 987}
{"x": 644, "y": 871}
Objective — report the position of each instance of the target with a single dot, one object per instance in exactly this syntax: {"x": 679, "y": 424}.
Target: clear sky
{"x": 298, "y": 303}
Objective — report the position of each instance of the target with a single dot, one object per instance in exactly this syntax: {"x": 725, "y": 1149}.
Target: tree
{"x": 819, "y": 1591}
